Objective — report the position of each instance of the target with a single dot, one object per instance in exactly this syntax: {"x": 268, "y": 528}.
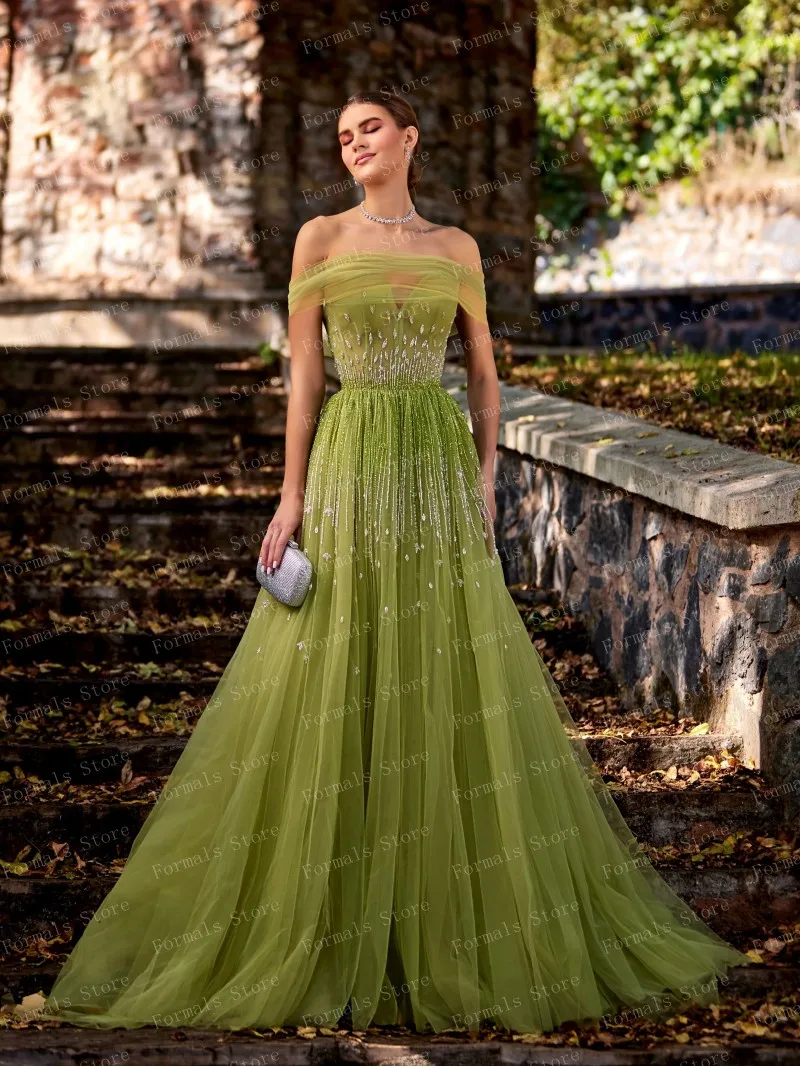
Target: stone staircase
{"x": 131, "y": 522}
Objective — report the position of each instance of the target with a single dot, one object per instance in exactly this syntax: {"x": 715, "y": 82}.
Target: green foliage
{"x": 642, "y": 91}
{"x": 563, "y": 190}
{"x": 269, "y": 355}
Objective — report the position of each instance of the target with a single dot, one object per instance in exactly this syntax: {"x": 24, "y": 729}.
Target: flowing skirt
{"x": 385, "y": 811}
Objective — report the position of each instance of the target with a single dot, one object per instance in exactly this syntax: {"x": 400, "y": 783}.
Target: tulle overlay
{"x": 385, "y": 811}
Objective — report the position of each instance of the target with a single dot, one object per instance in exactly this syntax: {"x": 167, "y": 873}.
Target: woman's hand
{"x": 284, "y": 525}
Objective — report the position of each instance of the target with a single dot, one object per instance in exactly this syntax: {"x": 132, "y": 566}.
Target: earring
{"x": 409, "y": 156}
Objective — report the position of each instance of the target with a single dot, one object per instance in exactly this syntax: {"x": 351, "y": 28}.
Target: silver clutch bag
{"x": 290, "y": 582}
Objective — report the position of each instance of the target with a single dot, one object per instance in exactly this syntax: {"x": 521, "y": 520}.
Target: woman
{"x": 385, "y": 813}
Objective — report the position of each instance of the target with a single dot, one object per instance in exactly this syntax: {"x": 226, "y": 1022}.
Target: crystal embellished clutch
{"x": 292, "y": 579}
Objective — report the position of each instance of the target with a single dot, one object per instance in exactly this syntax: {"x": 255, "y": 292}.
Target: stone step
{"x": 87, "y": 572}
{"x": 134, "y": 507}
{"x": 200, "y": 418}
{"x": 178, "y": 498}
{"x": 207, "y": 438}
{"x": 736, "y": 901}
{"x": 45, "y": 563}
{"x": 102, "y": 829}
{"x": 120, "y": 473}
{"x": 90, "y": 763}
{"x": 674, "y": 817}
{"x": 169, "y": 587}
{"x": 58, "y": 1046}
{"x": 93, "y": 762}
{"x": 747, "y": 982}
{"x": 68, "y": 695}
{"x": 154, "y": 594}
{"x": 659, "y": 752}
{"x": 186, "y": 646}
{"x": 76, "y": 695}
{"x": 110, "y": 710}
{"x": 31, "y": 684}
{"x": 134, "y": 355}
{"x": 32, "y": 560}
{"x": 167, "y": 523}
{"x": 55, "y": 379}
{"x": 253, "y": 398}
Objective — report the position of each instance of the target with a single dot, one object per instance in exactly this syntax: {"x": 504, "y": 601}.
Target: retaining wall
{"x": 685, "y": 569}
{"x": 755, "y": 318}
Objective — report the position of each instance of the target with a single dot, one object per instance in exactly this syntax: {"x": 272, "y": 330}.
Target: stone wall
{"x": 131, "y": 124}
{"x": 169, "y": 148}
{"x": 757, "y": 318}
{"x": 735, "y": 227}
{"x": 681, "y": 554}
{"x": 686, "y": 614}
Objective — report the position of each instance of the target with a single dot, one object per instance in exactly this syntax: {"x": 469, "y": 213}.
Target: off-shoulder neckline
{"x": 386, "y": 255}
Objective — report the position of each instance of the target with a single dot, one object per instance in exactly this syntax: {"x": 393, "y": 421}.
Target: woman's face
{"x": 372, "y": 144}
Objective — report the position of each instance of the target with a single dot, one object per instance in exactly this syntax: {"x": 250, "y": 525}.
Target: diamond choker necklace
{"x": 388, "y": 221}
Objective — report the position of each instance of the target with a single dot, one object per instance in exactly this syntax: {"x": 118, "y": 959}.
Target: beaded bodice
{"x": 388, "y": 316}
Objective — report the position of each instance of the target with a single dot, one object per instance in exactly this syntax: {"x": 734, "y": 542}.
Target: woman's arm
{"x": 306, "y": 397}
{"x": 483, "y": 388}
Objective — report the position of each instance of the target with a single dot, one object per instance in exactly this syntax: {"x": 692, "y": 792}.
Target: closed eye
{"x": 346, "y": 136}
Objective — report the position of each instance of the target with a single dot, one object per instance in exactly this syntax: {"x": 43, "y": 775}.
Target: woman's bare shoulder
{"x": 314, "y": 240}
{"x": 460, "y": 246}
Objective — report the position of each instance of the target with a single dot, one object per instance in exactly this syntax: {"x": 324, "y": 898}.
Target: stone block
{"x": 543, "y": 548}
{"x": 564, "y": 569}
{"x": 635, "y": 653}
{"x": 736, "y": 656}
{"x": 769, "y": 610}
{"x": 670, "y": 565}
{"x": 602, "y": 640}
{"x": 762, "y": 575}
{"x": 783, "y": 681}
{"x": 669, "y": 637}
{"x": 693, "y": 649}
{"x": 785, "y": 305}
{"x": 774, "y": 569}
{"x": 713, "y": 558}
{"x": 782, "y": 766}
{"x": 610, "y": 532}
{"x": 793, "y": 578}
{"x": 653, "y": 524}
{"x": 731, "y": 586}
{"x": 570, "y": 509}
{"x": 641, "y": 567}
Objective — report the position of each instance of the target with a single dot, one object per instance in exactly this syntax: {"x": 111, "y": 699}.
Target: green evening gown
{"x": 385, "y": 811}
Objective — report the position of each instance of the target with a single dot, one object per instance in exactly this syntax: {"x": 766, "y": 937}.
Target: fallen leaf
{"x": 773, "y": 945}
{"x": 30, "y": 1006}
